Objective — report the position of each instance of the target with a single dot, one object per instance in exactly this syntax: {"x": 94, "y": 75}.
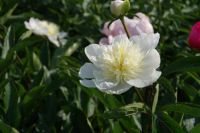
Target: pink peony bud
{"x": 136, "y": 26}
{"x": 194, "y": 37}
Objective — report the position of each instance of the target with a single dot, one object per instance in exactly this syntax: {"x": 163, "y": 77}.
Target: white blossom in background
{"x": 189, "y": 123}
{"x": 48, "y": 29}
{"x": 124, "y": 63}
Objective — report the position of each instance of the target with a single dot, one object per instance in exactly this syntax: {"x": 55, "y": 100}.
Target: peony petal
{"x": 142, "y": 16}
{"x": 119, "y": 89}
{"x": 106, "y": 30}
{"x": 86, "y": 71}
{"x": 104, "y": 41}
{"x": 27, "y": 25}
{"x": 93, "y": 51}
{"x": 62, "y": 35}
{"x": 88, "y": 83}
{"x": 54, "y": 40}
{"x": 145, "y": 80}
{"x": 143, "y": 27}
{"x": 122, "y": 38}
{"x": 104, "y": 85}
{"x": 107, "y": 85}
{"x": 146, "y": 41}
{"x": 152, "y": 59}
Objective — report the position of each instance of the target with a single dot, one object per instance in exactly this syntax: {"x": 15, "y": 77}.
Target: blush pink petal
{"x": 136, "y": 26}
{"x": 104, "y": 41}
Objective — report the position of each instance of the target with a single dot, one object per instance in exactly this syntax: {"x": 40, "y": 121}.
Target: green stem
{"x": 139, "y": 95}
{"x": 125, "y": 27}
{"x": 146, "y": 119}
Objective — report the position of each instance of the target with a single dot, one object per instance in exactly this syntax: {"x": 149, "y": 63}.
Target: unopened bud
{"x": 119, "y": 7}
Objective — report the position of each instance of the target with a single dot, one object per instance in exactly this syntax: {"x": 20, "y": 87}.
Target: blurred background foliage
{"x": 39, "y": 84}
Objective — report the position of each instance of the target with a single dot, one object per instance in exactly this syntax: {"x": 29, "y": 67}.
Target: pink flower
{"x": 136, "y": 26}
{"x": 194, "y": 37}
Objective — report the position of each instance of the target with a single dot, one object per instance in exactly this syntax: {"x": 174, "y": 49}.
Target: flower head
{"x": 136, "y": 26}
{"x": 194, "y": 37}
{"x": 119, "y": 7}
{"x": 45, "y": 28}
{"x": 125, "y": 63}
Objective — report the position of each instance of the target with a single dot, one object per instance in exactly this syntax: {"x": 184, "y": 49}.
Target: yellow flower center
{"x": 122, "y": 61}
{"x": 52, "y": 28}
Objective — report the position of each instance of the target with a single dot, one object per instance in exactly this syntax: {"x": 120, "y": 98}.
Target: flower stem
{"x": 139, "y": 95}
{"x": 125, "y": 27}
{"x": 146, "y": 119}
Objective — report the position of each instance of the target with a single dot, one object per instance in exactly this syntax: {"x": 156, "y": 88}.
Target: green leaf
{"x": 108, "y": 101}
{"x": 1, "y": 5}
{"x": 6, "y": 45}
{"x": 167, "y": 85}
{"x": 3, "y": 83}
{"x": 117, "y": 128}
{"x": 196, "y": 129}
{"x": 5, "y": 18}
{"x": 45, "y": 55}
{"x": 25, "y": 35}
{"x": 72, "y": 49}
{"x": 155, "y": 100}
{"x": 32, "y": 99}
{"x": 172, "y": 125}
{"x": 190, "y": 90}
{"x": 4, "y": 128}
{"x": 189, "y": 64}
{"x": 36, "y": 62}
{"x": 190, "y": 109}
{"x": 195, "y": 77}
{"x": 80, "y": 122}
{"x": 11, "y": 104}
{"x": 130, "y": 124}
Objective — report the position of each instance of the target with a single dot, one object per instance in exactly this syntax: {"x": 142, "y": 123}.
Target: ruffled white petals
{"x": 48, "y": 29}
{"x": 86, "y": 71}
{"x": 145, "y": 79}
{"x": 146, "y": 41}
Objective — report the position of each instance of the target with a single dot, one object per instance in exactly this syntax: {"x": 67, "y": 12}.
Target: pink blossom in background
{"x": 194, "y": 37}
{"x": 136, "y": 26}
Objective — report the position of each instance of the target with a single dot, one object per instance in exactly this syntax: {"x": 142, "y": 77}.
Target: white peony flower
{"x": 45, "y": 28}
{"x": 124, "y": 63}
